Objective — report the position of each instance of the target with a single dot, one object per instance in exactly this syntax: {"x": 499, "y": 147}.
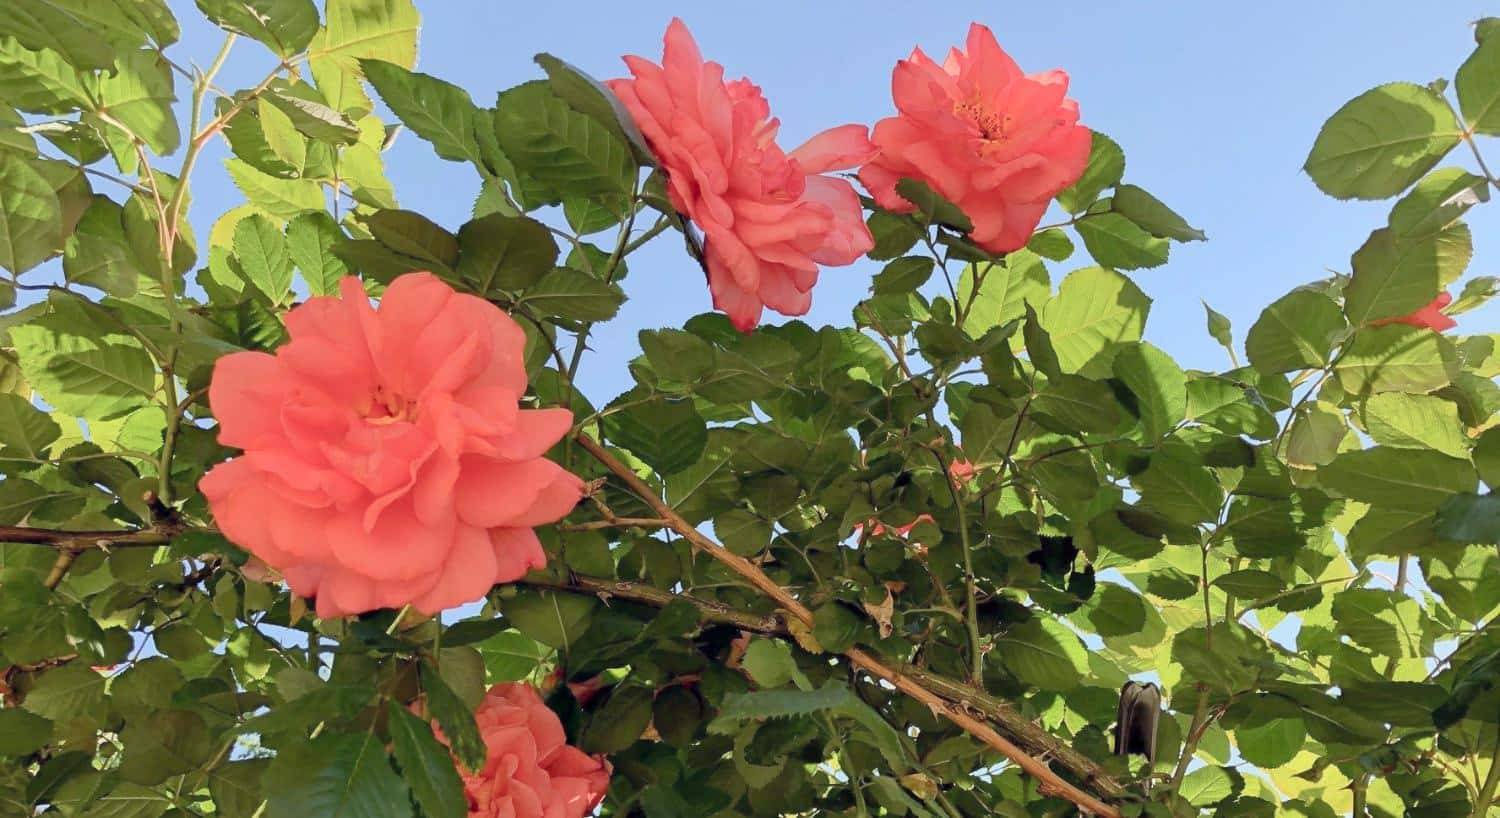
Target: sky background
{"x": 1216, "y": 106}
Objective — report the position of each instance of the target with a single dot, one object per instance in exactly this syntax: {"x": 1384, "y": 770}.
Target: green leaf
{"x": 1207, "y": 786}
{"x": 620, "y": 722}
{"x": 1117, "y": 242}
{"x": 235, "y": 787}
{"x": 24, "y": 429}
{"x": 1436, "y": 202}
{"x": 933, "y": 207}
{"x": 511, "y": 655}
{"x": 504, "y": 253}
{"x": 554, "y": 619}
{"x": 355, "y": 30}
{"x": 588, "y": 96}
{"x": 1094, "y": 311}
{"x": 30, "y": 216}
{"x": 769, "y": 662}
{"x": 22, "y": 733}
{"x": 835, "y": 626}
{"x": 40, "y": 24}
{"x": 1315, "y": 435}
{"x": 1272, "y": 744}
{"x": 1151, "y": 215}
{"x": 306, "y": 111}
{"x": 1412, "y": 479}
{"x": 667, "y": 435}
{"x": 833, "y": 699}
{"x": 1159, "y": 385}
{"x": 98, "y": 253}
{"x": 1394, "y": 278}
{"x": 39, "y": 81}
{"x": 677, "y": 355}
{"x": 1105, "y": 168}
{"x": 570, "y": 153}
{"x": 1078, "y": 404}
{"x": 65, "y": 692}
{"x": 1470, "y": 518}
{"x": 1478, "y": 85}
{"x": 1295, "y": 332}
{"x": 139, "y": 95}
{"x": 164, "y": 743}
{"x": 342, "y": 775}
{"x": 1043, "y": 653}
{"x": 127, "y": 800}
{"x": 743, "y": 532}
{"x": 1416, "y": 422}
{"x": 440, "y": 112}
{"x": 568, "y": 293}
{"x": 1004, "y": 289}
{"x": 310, "y": 239}
{"x": 282, "y": 198}
{"x": 1182, "y": 491}
{"x": 81, "y": 370}
{"x": 1249, "y": 583}
{"x": 455, "y": 718}
{"x": 1373, "y": 617}
{"x": 284, "y": 26}
{"x": 412, "y": 234}
{"x": 1396, "y": 358}
{"x": 1381, "y": 141}
{"x": 426, "y": 766}
{"x": 262, "y": 253}
{"x": 906, "y": 274}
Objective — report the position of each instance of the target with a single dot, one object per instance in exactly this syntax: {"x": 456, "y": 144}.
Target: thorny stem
{"x": 1049, "y": 781}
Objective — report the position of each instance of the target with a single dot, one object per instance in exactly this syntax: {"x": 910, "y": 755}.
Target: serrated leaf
{"x": 355, "y": 30}
{"x": 426, "y": 765}
{"x": 310, "y": 239}
{"x": 1381, "y": 141}
{"x": 39, "y": 81}
{"x": 1416, "y": 422}
{"x": 568, "y": 152}
{"x": 30, "y": 216}
{"x": 1043, "y": 653}
{"x": 1478, "y": 86}
{"x": 1436, "y": 202}
{"x": 568, "y": 293}
{"x": 1095, "y": 310}
{"x": 285, "y": 26}
{"x": 435, "y": 110}
{"x": 1159, "y": 385}
{"x": 1393, "y": 278}
{"x": 1396, "y": 358}
{"x": 1119, "y": 243}
{"x": 499, "y": 252}
{"x": 1295, "y": 332}
{"x": 993, "y": 293}
{"x": 1151, "y": 215}
{"x": 40, "y": 24}
{"x": 343, "y": 775}
{"x": 139, "y": 95}
{"x": 282, "y": 198}
{"x": 588, "y": 96}
{"x": 1412, "y": 479}
{"x": 1105, "y": 167}
{"x": 668, "y": 435}
{"x": 262, "y": 254}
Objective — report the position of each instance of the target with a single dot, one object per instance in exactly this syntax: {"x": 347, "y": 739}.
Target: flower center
{"x": 991, "y": 125}
{"x": 387, "y": 406}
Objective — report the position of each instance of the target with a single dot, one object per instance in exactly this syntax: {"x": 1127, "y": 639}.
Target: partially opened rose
{"x": 1430, "y": 316}
{"x": 994, "y": 141}
{"x": 768, "y": 218}
{"x": 530, "y": 770}
{"x": 386, "y": 460}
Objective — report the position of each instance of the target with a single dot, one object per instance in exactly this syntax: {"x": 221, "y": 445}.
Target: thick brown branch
{"x": 1050, "y": 782}
{"x": 77, "y": 541}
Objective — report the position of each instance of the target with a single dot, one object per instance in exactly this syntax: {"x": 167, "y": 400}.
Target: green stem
{"x": 1486, "y": 795}
{"x": 1190, "y": 745}
{"x": 854, "y": 787}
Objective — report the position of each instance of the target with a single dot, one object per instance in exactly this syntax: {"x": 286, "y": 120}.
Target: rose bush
{"x": 290, "y": 529}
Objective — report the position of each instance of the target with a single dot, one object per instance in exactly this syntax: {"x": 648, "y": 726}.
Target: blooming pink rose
{"x": 1430, "y": 316}
{"x": 768, "y": 218}
{"x": 994, "y": 141}
{"x": 530, "y": 771}
{"x": 386, "y": 461}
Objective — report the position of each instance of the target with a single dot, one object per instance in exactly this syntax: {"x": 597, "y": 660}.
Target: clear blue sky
{"x": 1215, "y": 104}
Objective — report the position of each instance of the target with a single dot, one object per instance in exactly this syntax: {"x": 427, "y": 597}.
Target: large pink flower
{"x": 768, "y": 218}
{"x": 530, "y": 770}
{"x": 386, "y": 461}
{"x": 994, "y": 141}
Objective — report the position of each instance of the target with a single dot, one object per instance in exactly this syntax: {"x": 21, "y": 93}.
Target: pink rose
{"x": 1430, "y": 316}
{"x": 994, "y": 141}
{"x": 768, "y": 218}
{"x": 386, "y": 461}
{"x": 961, "y": 472}
{"x": 530, "y": 771}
